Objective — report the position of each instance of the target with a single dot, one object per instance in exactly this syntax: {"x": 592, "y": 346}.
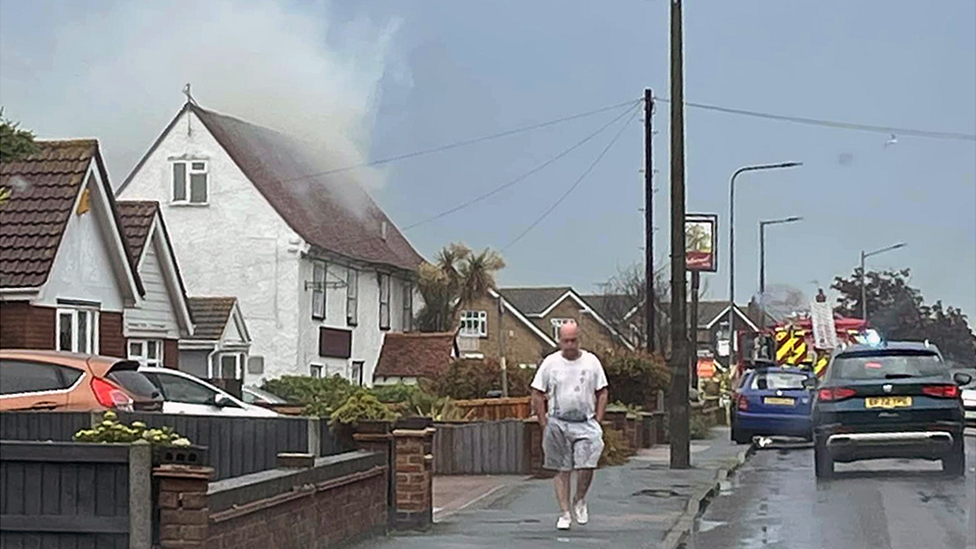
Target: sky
{"x": 372, "y": 79}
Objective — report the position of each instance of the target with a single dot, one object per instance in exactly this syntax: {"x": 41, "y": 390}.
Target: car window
{"x": 777, "y": 380}
{"x": 21, "y": 376}
{"x": 179, "y": 389}
{"x": 887, "y": 365}
{"x": 124, "y": 375}
{"x": 248, "y": 397}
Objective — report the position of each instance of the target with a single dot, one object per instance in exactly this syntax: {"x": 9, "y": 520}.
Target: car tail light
{"x": 110, "y": 396}
{"x": 743, "y": 402}
{"x": 835, "y": 393}
{"x": 941, "y": 391}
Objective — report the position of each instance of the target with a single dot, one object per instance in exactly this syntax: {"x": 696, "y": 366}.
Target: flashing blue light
{"x": 872, "y": 337}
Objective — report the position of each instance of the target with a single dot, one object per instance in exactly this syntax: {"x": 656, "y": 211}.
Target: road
{"x": 774, "y": 502}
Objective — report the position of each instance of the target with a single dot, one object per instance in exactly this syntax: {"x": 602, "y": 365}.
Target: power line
{"x": 463, "y": 142}
{"x": 832, "y": 123}
{"x": 572, "y": 187}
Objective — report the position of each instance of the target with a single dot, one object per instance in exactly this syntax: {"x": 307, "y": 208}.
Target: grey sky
{"x": 375, "y": 78}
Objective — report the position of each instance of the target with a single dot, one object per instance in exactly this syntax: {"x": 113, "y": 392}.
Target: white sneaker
{"x": 564, "y": 522}
{"x": 582, "y": 514}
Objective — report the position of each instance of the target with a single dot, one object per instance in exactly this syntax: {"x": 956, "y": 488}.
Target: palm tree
{"x": 458, "y": 277}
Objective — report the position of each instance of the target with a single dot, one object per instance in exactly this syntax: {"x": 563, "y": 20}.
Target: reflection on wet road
{"x": 774, "y": 501}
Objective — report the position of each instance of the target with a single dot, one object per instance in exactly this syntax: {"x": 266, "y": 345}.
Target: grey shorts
{"x": 570, "y": 445}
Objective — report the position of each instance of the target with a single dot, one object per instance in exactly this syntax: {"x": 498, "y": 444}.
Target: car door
{"x": 184, "y": 396}
{"x": 29, "y": 385}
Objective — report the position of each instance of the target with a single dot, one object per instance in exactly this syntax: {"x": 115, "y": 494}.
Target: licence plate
{"x": 779, "y": 401}
{"x": 888, "y": 402}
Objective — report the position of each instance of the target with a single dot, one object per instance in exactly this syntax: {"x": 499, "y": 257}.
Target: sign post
{"x": 701, "y": 246}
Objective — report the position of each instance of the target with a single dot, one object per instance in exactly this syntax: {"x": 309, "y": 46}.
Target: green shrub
{"x": 615, "y": 449}
{"x": 475, "y": 378}
{"x": 361, "y": 407}
{"x": 634, "y": 378}
{"x": 112, "y": 430}
{"x": 700, "y": 425}
{"x": 320, "y": 396}
{"x": 406, "y": 400}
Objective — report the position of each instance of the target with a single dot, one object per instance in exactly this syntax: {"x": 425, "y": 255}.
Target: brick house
{"x": 322, "y": 274}
{"x": 408, "y": 357}
{"x": 67, "y": 275}
{"x": 530, "y": 319}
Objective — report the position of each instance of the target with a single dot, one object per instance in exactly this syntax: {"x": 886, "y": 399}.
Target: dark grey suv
{"x": 893, "y": 400}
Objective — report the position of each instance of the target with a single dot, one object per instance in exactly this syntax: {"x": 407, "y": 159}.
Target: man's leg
{"x": 583, "y": 479}
{"x": 563, "y": 487}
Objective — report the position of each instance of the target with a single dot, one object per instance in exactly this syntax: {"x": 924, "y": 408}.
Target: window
{"x": 227, "y": 366}
{"x": 179, "y": 389}
{"x": 77, "y": 330}
{"x": 474, "y": 324}
{"x": 192, "y": 172}
{"x": 357, "y": 372}
{"x": 315, "y": 370}
{"x": 557, "y": 323}
{"x": 384, "y": 301}
{"x": 886, "y": 364}
{"x": 318, "y": 290}
{"x": 352, "y": 297}
{"x": 778, "y": 381}
{"x": 146, "y": 352}
{"x": 407, "y": 307}
{"x": 32, "y": 377}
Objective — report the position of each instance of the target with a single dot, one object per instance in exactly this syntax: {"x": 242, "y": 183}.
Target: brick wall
{"x": 171, "y": 354}
{"x": 522, "y": 345}
{"x": 23, "y": 326}
{"x": 594, "y": 337}
{"x": 111, "y": 341}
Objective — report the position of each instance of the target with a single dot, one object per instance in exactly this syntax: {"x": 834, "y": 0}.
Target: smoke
{"x": 115, "y": 71}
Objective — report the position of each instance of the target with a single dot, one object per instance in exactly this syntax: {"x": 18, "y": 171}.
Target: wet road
{"x": 775, "y": 502}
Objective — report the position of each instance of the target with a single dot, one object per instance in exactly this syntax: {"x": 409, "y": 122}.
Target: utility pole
{"x": 693, "y": 327}
{"x": 649, "y": 298}
{"x": 679, "y": 410}
{"x": 501, "y": 346}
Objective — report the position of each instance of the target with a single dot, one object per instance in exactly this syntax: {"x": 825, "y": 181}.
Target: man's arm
{"x": 539, "y": 407}
{"x": 602, "y": 397}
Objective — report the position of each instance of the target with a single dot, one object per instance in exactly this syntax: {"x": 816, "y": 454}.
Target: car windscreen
{"x": 777, "y": 380}
{"x": 124, "y": 375}
{"x": 887, "y": 365}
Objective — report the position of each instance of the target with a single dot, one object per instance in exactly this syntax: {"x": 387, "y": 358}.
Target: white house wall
{"x": 156, "y": 318}
{"x": 83, "y": 267}
{"x": 237, "y": 245}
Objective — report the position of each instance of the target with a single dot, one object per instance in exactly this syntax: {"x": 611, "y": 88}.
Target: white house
{"x": 321, "y": 273}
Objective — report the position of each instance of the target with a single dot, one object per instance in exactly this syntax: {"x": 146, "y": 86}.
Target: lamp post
{"x": 735, "y": 174}
{"x": 865, "y": 255}
{"x": 762, "y": 248}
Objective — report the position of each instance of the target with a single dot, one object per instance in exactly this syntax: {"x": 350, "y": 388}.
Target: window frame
{"x": 91, "y": 329}
{"x": 215, "y": 366}
{"x": 143, "y": 357}
{"x": 352, "y": 297}
{"x": 319, "y": 294}
{"x": 361, "y": 365}
{"x": 316, "y": 371}
{"x": 480, "y": 318}
{"x": 407, "y": 310}
{"x": 188, "y": 172}
{"x": 384, "y": 283}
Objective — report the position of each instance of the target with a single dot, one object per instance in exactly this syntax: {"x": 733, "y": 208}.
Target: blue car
{"x": 772, "y": 401}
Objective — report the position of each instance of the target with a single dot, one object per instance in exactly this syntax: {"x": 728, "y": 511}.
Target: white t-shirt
{"x": 571, "y": 385}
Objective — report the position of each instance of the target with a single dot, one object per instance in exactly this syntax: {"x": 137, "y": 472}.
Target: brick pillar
{"x": 381, "y": 443}
{"x": 414, "y": 484}
{"x": 183, "y": 516}
{"x": 533, "y": 453}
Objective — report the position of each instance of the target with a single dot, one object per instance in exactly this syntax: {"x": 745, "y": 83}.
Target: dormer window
{"x": 190, "y": 182}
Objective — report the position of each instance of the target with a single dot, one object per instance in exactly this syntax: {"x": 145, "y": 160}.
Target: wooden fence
{"x": 495, "y": 409}
{"x": 58, "y": 494}
{"x": 480, "y": 448}
{"x": 235, "y": 445}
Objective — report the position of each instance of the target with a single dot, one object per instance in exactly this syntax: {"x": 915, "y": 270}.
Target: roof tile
{"x": 210, "y": 316}
{"x": 415, "y": 354}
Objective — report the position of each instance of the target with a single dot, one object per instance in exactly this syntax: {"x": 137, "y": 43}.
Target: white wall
{"x": 237, "y": 245}
{"x": 83, "y": 267}
{"x": 156, "y": 317}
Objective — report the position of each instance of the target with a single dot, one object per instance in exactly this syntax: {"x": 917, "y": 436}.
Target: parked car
{"x": 892, "y": 400}
{"x": 253, "y": 395}
{"x": 52, "y": 380}
{"x": 186, "y": 394}
{"x": 772, "y": 401}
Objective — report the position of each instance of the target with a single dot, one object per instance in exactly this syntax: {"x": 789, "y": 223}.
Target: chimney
{"x": 383, "y": 228}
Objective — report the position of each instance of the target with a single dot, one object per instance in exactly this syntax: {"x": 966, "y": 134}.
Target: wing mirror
{"x": 962, "y": 379}
{"x": 223, "y": 401}
{"x": 810, "y": 383}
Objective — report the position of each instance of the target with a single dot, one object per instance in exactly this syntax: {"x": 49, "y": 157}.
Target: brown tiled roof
{"x": 532, "y": 301}
{"x": 137, "y": 218}
{"x": 43, "y": 188}
{"x": 612, "y": 307}
{"x": 415, "y": 354}
{"x": 210, "y": 316}
{"x": 329, "y": 210}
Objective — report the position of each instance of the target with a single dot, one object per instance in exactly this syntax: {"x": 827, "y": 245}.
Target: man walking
{"x": 569, "y": 395}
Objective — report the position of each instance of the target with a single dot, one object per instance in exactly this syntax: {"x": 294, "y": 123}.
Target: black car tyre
{"x": 823, "y": 464}
{"x": 740, "y": 436}
{"x": 954, "y": 463}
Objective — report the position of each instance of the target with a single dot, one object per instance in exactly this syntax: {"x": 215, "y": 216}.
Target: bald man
{"x": 569, "y": 395}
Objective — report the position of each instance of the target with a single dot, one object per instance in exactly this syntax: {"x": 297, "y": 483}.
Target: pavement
{"x": 774, "y": 501}
{"x": 640, "y": 505}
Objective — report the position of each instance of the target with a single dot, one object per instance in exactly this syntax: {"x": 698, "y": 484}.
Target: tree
{"x": 624, "y": 296}
{"x": 459, "y": 276}
{"x": 899, "y": 312}
{"x": 15, "y": 144}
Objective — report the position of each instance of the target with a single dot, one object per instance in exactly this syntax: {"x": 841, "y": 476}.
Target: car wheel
{"x": 740, "y": 436}
{"x": 823, "y": 464}
{"x": 954, "y": 463}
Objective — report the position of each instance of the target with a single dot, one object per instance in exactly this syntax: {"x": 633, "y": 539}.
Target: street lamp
{"x": 735, "y": 174}
{"x": 865, "y": 255}
{"x": 762, "y": 248}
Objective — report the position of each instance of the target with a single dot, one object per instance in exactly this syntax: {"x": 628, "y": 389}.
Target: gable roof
{"x": 534, "y": 301}
{"x": 710, "y": 312}
{"x": 210, "y": 316}
{"x": 509, "y": 306}
{"x": 44, "y": 187}
{"x": 320, "y": 206}
{"x": 615, "y": 308}
{"x": 415, "y": 354}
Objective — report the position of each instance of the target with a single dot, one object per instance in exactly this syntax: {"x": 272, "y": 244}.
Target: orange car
{"x": 51, "y": 380}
